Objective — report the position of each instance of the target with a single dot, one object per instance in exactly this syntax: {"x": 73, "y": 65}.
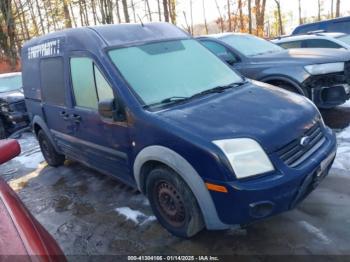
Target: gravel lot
{"x": 89, "y": 213}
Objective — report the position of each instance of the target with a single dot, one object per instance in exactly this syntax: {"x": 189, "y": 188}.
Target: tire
{"x": 173, "y": 203}
{"x": 52, "y": 157}
{"x": 2, "y": 130}
{"x": 293, "y": 89}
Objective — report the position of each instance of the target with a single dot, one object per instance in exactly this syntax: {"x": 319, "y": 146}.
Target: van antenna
{"x": 140, "y": 20}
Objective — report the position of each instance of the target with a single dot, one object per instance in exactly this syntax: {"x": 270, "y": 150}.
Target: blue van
{"x": 153, "y": 107}
{"x": 341, "y": 25}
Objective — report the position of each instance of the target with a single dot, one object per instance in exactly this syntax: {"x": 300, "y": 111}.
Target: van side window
{"x": 320, "y": 43}
{"x": 52, "y": 81}
{"x": 104, "y": 90}
{"x": 89, "y": 85}
{"x": 293, "y": 44}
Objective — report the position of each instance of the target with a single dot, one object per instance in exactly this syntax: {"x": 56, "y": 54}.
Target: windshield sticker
{"x": 46, "y": 49}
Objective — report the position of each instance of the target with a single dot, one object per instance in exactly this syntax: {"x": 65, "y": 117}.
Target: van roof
{"x": 115, "y": 35}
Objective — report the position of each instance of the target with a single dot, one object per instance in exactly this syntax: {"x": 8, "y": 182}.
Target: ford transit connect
{"x": 151, "y": 106}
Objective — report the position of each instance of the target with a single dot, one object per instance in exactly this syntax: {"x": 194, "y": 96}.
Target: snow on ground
{"x": 346, "y": 104}
{"x": 342, "y": 161}
{"x": 314, "y": 230}
{"x": 31, "y": 156}
{"x": 134, "y": 215}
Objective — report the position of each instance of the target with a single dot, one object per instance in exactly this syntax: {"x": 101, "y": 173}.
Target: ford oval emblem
{"x": 305, "y": 141}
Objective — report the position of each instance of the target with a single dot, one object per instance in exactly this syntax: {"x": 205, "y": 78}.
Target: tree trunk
{"x": 300, "y": 18}
{"x": 319, "y": 10}
{"x": 191, "y": 15}
{"x": 166, "y": 10}
{"x": 229, "y": 14}
{"x": 332, "y": 9}
{"x": 32, "y": 15}
{"x": 126, "y": 12}
{"x": 250, "y": 16}
{"x": 172, "y": 11}
{"x": 337, "y": 11}
{"x": 260, "y": 16}
{"x": 220, "y": 16}
{"x": 40, "y": 16}
{"x": 22, "y": 20}
{"x": 159, "y": 11}
{"x": 118, "y": 11}
{"x": 133, "y": 10}
{"x": 280, "y": 22}
{"x": 73, "y": 17}
{"x": 94, "y": 13}
{"x": 241, "y": 18}
{"x": 148, "y": 10}
{"x": 67, "y": 19}
{"x": 205, "y": 19}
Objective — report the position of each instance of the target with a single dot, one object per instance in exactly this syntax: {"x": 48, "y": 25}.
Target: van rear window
{"x": 52, "y": 80}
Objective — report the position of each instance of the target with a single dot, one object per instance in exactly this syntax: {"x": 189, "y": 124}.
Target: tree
{"x": 229, "y": 14}
{"x": 337, "y": 10}
{"x": 319, "y": 10}
{"x": 172, "y": 11}
{"x": 250, "y": 16}
{"x": 260, "y": 6}
{"x": 300, "y": 18}
{"x": 159, "y": 11}
{"x": 126, "y": 12}
{"x": 241, "y": 17}
{"x": 280, "y": 22}
{"x": 8, "y": 33}
{"x": 221, "y": 19}
{"x": 332, "y": 5}
{"x": 166, "y": 10}
{"x": 67, "y": 19}
{"x": 205, "y": 18}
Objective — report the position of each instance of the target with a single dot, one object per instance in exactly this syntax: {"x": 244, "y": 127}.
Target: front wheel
{"x": 52, "y": 157}
{"x": 173, "y": 203}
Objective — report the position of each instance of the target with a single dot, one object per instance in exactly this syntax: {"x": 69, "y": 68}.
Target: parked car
{"x": 21, "y": 234}
{"x": 13, "y": 112}
{"x": 319, "y": 74}
{"x": 153, "y": 107}
{"x": 341, "y": 24}
{"x": 314, "y": 40}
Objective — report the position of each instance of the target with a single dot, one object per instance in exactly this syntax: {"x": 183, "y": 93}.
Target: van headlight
{"x": 320, "y": 69}
{"x": 246, "y": 156}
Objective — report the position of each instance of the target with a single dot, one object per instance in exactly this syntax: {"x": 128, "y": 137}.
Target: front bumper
{"x": 250, "y": 200}
{"x": 16, "y": 121}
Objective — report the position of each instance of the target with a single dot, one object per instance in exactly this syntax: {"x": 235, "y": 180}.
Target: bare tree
{"x": 332, "y": 9}
{"x": 205, "y": 18}
{"x": 159, "y": 11}
{"x": 260, "y": 6}
{"x": 191, "y": 14}
{"x": 250, "y": 16}
{"x": 337, "y": 10}
{"x": 126, "y": 12}
{"x": 118, "y": 11}
{"x": 188, "y": 28}
{"x": 148, "y": 10}
{"x": 229, "y": 14}
{"x": 166, "y": 10}
{"x": 220, "y": 17}
{"x": 67, "y": 19}
{"x": 300, "y": 18}
{"x": 241, "y": 18}
{"x": 319, "y": 10}
{"x": 280, "y": 22}
{"x": 172, "y": 11}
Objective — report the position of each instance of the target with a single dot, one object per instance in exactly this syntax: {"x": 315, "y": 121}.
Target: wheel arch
{"x": 153, "y": 155}
{"x": 278, "y": 78}
{"x": 39, "y": 124}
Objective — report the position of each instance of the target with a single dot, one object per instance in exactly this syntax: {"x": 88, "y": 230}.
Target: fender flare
{"x": 37, "y": 120}
{"x": 284, "y": 79}
{"x": 188, "y": 174}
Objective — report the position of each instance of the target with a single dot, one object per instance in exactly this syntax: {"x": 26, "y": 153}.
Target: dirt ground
{"x": 90, "y": 214}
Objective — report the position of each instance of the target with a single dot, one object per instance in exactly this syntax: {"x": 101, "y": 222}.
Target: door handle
{"x": 64, "y": 115}
{"x": 76, "y": 118}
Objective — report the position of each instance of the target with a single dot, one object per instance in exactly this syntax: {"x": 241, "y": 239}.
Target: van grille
{"x": 294, "y": 154}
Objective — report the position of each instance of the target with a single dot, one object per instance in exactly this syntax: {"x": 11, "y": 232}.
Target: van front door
{"x": 103, "y": 145}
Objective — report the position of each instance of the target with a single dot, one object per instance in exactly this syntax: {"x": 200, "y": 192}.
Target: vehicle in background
{"x": 13, "y": 112}
{"x": 321, "y": 75}
{"x": 341, "y": 25}
{"x": 21, "y": 234}
{"x": 314, "y": 40}
{"x": 153, "y": 107}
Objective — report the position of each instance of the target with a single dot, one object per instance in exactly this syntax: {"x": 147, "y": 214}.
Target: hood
{"x": 11, "y": 97}
{"x": 271, "y": 116}
{"x": 305, "y": 56}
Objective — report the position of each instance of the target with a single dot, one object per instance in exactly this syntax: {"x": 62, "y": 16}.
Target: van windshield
{"x": 10, "y": 83}
{"x": 170, "y": 69}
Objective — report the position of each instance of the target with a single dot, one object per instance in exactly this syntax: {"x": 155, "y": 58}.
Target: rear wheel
{"x": 2, "y": 130}
{"x": 52, "y": 157}
{"x": 173, "y": 203}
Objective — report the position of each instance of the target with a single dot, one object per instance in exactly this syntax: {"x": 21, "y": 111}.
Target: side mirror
{"x": 9, "y": 148}
{"x": 230, "y": 59}
{"x": 108, "y": 108}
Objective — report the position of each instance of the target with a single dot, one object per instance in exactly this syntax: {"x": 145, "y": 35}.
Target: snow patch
{"x": 134, "y": 215}
{"x": 314, "y": 230}
{"x": 31, "y": 160}
{"x": 343, "y": 153}
{"x": 346, "y": 104}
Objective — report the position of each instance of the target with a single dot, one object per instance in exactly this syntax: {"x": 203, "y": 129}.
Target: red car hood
{"x": 21, "y": 233}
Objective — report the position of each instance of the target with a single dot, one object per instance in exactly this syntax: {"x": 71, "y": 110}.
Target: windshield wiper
{"x": 218, "y": 89}
{"x": 169, "y": 100}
